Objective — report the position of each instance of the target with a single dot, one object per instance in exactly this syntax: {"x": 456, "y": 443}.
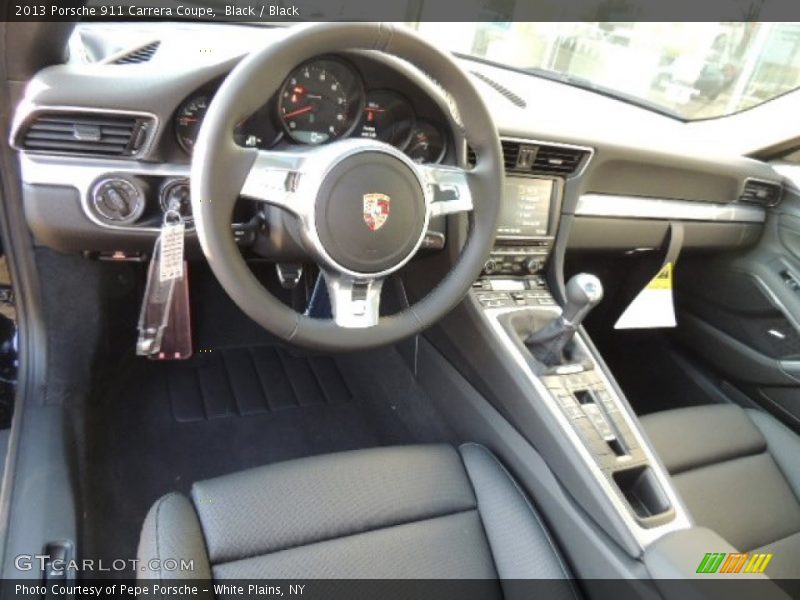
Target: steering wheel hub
{"x": 370, "y": 212}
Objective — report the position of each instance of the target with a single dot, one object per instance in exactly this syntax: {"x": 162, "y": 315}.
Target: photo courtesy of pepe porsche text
{"x": 156, "y": 590}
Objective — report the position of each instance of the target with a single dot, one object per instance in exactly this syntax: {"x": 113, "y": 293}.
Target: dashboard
{"x": 592, "y": 183}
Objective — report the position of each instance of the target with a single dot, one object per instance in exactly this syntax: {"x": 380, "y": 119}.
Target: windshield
{"x": 689, "y": 70}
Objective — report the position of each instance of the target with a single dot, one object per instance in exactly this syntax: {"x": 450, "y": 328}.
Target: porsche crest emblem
{"x": 376, "y": 210}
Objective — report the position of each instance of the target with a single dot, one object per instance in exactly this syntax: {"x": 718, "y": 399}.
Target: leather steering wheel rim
{"x": 220, "y": 168}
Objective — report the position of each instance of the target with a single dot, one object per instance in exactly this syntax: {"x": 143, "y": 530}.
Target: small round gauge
{"x": 427, "y": 143}
{"x": 256, "y": 131}
{"x": 320, "y": 101}
{"x": 387, "y": 117}
{"x": 189, "y": 118}
{"x": 259, "y": 129}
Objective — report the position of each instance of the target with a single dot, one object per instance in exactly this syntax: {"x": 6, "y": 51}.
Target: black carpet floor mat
{"x": 161, "y": 426}
{"x": 231, "y": 382}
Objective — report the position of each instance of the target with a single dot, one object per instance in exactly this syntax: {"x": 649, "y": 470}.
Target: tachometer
{"x": 387, "y": 117}
{"x": 320, "y": 101}
{"x": 427, "y": 143}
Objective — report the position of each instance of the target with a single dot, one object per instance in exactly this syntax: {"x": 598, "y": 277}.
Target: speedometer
{"x": 320, "y": 101}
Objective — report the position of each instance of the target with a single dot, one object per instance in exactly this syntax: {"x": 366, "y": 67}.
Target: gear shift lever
{"x": 584, "y": 292}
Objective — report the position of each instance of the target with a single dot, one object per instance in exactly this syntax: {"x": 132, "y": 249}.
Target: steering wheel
{"x": 340, "y": 191}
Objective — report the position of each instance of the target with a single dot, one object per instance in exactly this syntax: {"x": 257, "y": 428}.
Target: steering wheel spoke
{"x": 450, "y": 189}
{"x": 275, "y": 178}
{"x": 355, "y": 303}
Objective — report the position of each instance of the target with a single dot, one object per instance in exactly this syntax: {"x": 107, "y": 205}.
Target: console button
{"x": 574, "y": 411}
{"x": 607, "y": 400}
{"x": 577, "y": 381}
{"x": 565, "y": 399}
{"x": 594, "y": 443}
{"x": 534, "y": 265}
{"x": 552, "y": 382}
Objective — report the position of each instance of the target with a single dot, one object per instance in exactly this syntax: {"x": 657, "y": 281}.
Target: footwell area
{"x": 654, "y": 374}
{"x": 162, "y": 426}
{"x": 232, "y": 382}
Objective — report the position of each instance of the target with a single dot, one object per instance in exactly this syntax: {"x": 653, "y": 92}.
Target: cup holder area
{"x": 641, "y": 489}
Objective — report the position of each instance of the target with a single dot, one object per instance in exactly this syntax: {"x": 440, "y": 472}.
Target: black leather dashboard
{"x": 644, "y": 169}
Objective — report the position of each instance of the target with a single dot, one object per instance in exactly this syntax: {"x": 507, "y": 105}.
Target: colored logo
{"x": 376, "y": 210}
{"x": 735, "y": 562}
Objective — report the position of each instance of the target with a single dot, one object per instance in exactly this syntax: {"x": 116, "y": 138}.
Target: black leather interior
{"x": 398, "y": 512}
{"x": 738, "y": 473}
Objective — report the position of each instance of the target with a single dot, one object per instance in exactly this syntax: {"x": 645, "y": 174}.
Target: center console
{"x": 513, "y": 273}
{"x": 527, "y": 225}
{"x": 568, "y": 389}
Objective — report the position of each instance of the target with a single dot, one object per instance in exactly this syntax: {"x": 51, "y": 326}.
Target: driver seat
{"x": 423, "y": 512}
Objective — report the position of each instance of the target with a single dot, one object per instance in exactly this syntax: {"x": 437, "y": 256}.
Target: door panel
{"x": 741, "y": 312}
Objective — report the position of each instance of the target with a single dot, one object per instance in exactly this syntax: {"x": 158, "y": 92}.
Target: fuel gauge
{"x": 427, "y": 143}
{"x": 189, "y": 118}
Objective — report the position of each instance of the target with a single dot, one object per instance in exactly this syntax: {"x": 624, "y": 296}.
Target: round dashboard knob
{"x": 490, "y": 266}
{"x": 534, "y": 265}
{"x": 176, "y": 193}
{"x": 118, "y": 200}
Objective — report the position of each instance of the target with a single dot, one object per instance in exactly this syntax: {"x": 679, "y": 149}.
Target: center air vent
{"x": 139, "y": 55}
{"x": 540, "y": 158}
{"x": 85, "y": 133}
{"x": 537, "y": 158}
{"x": 761, "y": 192}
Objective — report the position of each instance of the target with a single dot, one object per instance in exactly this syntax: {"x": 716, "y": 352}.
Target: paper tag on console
{"x": 654, "y": 307}
{"x": 171, "y": 259}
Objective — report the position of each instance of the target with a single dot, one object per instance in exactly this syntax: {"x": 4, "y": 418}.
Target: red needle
{"x": 299, "y": 111}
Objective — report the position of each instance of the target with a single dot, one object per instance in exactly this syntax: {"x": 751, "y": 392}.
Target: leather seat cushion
{"x": 738, "y": 473}
{"x": 401, "y": 512}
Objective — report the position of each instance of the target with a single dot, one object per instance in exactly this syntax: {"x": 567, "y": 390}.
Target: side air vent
{"x": 501, "y": 89}
{"x": 761, "y": 192}
{"x": 85, "y": 133}
{"x": 140, "y": 55}
{"x": 541, "y": 158}
{"x": 472, "y": 158}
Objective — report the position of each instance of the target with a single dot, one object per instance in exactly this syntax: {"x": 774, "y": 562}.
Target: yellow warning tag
{"x": 653, "y": 307}
{"x": 662, "y": 281}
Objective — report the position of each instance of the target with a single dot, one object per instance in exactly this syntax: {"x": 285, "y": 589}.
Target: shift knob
{"x": 584, "y": 291}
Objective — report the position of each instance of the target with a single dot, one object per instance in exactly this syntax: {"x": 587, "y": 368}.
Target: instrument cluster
{"x": 323, "y": 100}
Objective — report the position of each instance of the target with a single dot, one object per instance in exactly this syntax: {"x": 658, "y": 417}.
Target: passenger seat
{"x": 738, "y": 471}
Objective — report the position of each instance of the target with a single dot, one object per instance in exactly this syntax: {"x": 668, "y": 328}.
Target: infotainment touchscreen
{"x": 526, "y": 207}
